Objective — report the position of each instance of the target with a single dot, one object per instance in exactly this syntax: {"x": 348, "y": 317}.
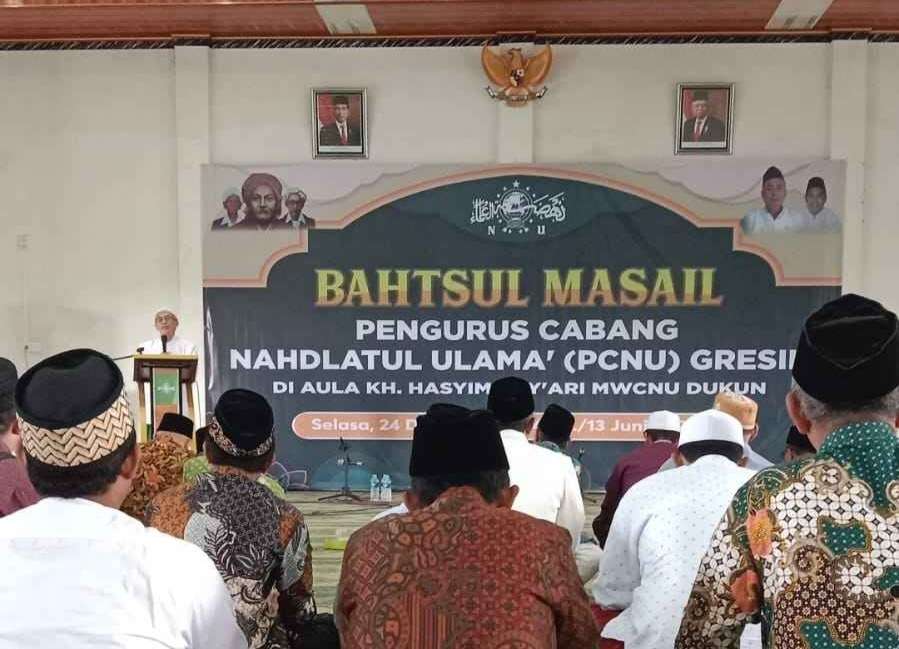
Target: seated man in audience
{"x": 198, "y": 465}
{"x": 798, "y": 446}
{"x": 258, "y": 542}
{"x": 16, "y": 491}
{"x": 660, "y": 437}
{"x": 547, "y": 484}
{"x": 77, "y": 572}
{"x": 812, "y": 547}
{"x": 662, "y": 529}
{"x": 461, "y": 569}
{"x": 554, "y": 432}
{"x": 161, "y": 463}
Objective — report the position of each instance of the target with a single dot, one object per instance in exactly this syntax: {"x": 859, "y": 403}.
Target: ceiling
{"x": 35, "y": 20}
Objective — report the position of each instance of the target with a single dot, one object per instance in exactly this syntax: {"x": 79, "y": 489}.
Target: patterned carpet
{"x": 337, "y": 520}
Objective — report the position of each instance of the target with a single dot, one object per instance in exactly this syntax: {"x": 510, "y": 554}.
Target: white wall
{"x": 609, "y": 103}
{"x": 881, "y": 228}
{"x": 87, "y": 175}
{"x": 90, "y": 170}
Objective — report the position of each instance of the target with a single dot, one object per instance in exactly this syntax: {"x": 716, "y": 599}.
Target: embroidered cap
{"x": 72, "y": 409}
{"x": 739, "y": 406}
{"x": 243, "y": 424}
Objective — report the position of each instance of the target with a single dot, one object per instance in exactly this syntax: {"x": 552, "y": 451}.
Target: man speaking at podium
{"x": 166, "y": 324}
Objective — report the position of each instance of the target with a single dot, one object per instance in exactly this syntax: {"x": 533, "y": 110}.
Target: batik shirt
{"x": 196, "y": 466}
{"x": 161, "y": 467}
{"x": 462, "y": 574}
{"x": 812, "y": 548}
{"x": 258, "y": 542}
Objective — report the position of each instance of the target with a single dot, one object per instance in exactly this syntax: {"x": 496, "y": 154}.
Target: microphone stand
{"x": 346, "y": 462}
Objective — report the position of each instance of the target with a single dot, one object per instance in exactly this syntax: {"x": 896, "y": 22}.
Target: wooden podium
{"x": 165, "y": 374}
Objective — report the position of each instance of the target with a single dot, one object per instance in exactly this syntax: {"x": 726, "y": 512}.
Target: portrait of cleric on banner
{"x": 339, "y": 123}
{"x": 704, "y": 118}
{"x": 262, "y": 203}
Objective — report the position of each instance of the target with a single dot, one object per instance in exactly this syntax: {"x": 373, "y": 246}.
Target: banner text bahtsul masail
{"x": 503, "y": 287}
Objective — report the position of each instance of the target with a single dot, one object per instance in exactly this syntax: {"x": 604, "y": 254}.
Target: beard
{"x": 265, "y": 214}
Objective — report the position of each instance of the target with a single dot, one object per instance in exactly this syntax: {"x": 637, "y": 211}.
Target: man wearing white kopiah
{"x": 547, "y": 484}
{"x": 746, "y": 411}
{"x": 659, "y": 442}
{"x": 662, "y": 528}
{"x": 166, "y": 323}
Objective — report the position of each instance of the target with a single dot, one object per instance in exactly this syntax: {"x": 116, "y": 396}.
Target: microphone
{"x": 165, "y": 339}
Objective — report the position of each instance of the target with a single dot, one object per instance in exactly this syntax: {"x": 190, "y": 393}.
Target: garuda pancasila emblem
{"x": 518, "y": 77}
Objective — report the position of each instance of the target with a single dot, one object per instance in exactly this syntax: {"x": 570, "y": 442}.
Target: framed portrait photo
{"x": 339, "y": 123}
{"x": 704, "y": 122}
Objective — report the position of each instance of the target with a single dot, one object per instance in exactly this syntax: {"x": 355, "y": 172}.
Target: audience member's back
{"x": 547, "y": 483}
{"x": 81, "y": 574}
{"x": 77, "y": 572}
{"x": 499, "y": 563}
{"x": 461, "y": 569}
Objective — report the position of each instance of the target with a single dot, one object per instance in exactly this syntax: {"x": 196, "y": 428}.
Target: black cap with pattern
{"x": 72, "y": 408}
{"x": 243, "y": 424}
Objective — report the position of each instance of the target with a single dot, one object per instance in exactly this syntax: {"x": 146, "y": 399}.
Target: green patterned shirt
{"x": 809, "y": 548}
{"x": 197, "y": 466}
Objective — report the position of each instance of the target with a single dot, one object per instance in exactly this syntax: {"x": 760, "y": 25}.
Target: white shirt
{"x": 228, "y": 223}
{"x": 400, "y": 510}
{"x": 789, "y": 220}
{"x": 547, "y": 484}
{"x": 79, "y": 575}
{"x": 174, "y": 346}
{"x": 754, "y": 461}
{"x": 660, "y": 533}
{"x": 824, "y": 221}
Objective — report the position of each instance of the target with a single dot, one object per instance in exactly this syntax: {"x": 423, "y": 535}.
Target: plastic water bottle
{"x": 375, "y": 495}
{"x": 386, "y": 489}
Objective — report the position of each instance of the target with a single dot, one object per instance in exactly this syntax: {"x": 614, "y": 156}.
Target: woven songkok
{"x": 72, "y": 409}
{"x": 243, "y": 424}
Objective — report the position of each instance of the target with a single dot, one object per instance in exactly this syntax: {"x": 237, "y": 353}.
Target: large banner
{"x": 353, "y": 295}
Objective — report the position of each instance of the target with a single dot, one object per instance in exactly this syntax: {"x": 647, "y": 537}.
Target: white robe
{"x": 547, "y": 484}
{"x": 174, "y": 346}
{"x": 660, "y": 533}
